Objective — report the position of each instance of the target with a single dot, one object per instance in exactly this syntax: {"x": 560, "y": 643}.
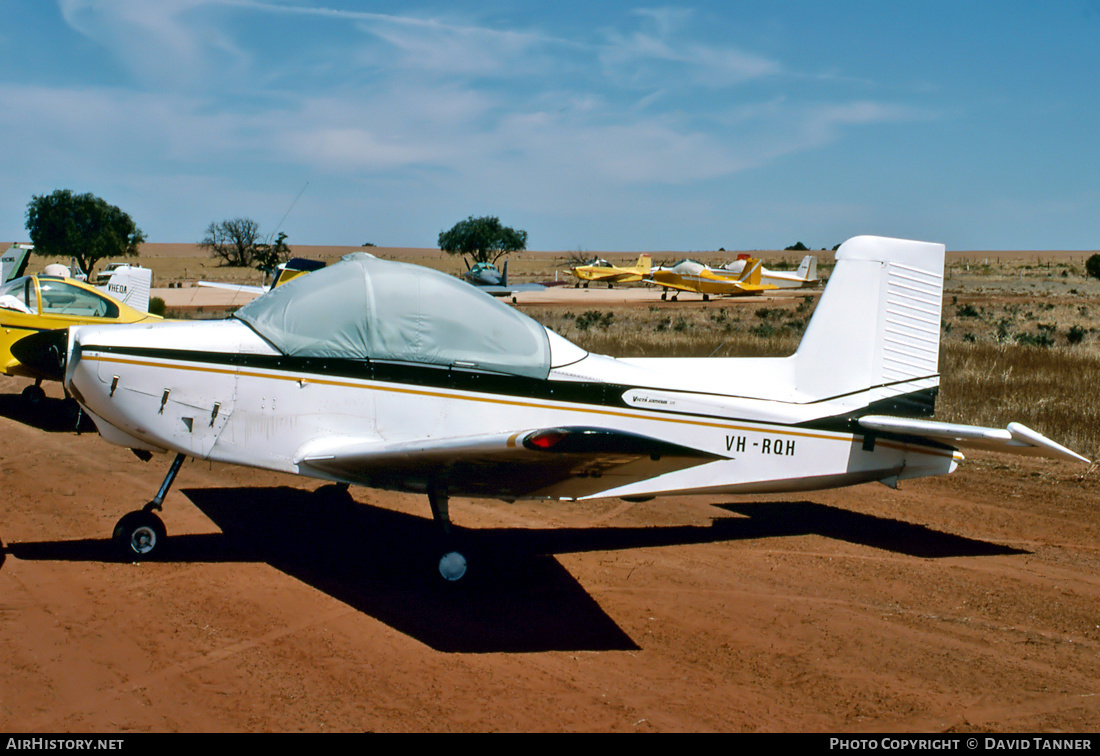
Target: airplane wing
{"x": 238, "y": 288}
{"x": 714, "y": 286}
{"x": 1015, "y": 439}
{"x": 544, "y": 463}
{"x": 754, "y": 288}
{"x": 504, "y": 291}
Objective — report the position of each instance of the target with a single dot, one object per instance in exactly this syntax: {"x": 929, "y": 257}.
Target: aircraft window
{"x": 369, "y": 309}
{"x": 19, "y": 295}
{"x": 60, "y": 298}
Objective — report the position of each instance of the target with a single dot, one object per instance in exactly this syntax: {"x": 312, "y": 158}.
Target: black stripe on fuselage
{"x": 913, "y": 404}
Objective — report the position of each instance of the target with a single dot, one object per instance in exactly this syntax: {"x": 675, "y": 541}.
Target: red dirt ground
{"x": 964, "y": 603}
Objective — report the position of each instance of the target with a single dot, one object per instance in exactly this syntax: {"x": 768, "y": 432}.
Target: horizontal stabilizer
{"x": 1016, "y": 438}
{"x": 549, "y": 462}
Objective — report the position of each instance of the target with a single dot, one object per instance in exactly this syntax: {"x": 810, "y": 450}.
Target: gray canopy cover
{"x": 364, "y": 308}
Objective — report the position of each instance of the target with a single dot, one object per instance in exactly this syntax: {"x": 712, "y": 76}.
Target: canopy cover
{"x": 364, "y": 308}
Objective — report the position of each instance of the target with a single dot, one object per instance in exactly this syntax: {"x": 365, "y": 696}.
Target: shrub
{"x": 1092, "y": 266}
{"x": 594, "y": 318}
{"x": 1041, "y": 339}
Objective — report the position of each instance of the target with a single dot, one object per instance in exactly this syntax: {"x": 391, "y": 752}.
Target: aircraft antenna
{"x": 292, "y": 204}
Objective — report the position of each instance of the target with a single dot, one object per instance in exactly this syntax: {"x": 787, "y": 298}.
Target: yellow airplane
{"x": 602, "y": 271}
{"x": 31, "y": 305}
{"x": 689, "y": 275}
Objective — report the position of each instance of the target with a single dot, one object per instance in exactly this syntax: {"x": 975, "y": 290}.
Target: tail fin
{"x": 750, "y": 274}
{"x": 130, "y": 285}
{"x": 878, "y": 321}
{"x": 807, "y": 271}
{"x": 14, "y": 262}
{"x": 645, "y": 262}
{"x": 504, "y": 275}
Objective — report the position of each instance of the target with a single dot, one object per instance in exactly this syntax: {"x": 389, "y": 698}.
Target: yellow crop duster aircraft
{"x": 689, "y": 275}
{"x": 601, "y": 271}
{"x": 30, "y": 305}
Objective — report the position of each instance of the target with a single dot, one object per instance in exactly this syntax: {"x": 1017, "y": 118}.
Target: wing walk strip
{"x": 494, "y": 400}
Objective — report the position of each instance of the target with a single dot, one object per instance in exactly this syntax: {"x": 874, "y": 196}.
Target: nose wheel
{"x": 141, "y": 534}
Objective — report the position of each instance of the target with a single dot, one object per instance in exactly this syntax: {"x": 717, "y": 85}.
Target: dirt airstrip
{"x": 964, "y": 603}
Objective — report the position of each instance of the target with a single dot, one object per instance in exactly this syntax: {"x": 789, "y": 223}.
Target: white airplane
{"x": 382, "y": 374}
{"x": 806, "y": 275}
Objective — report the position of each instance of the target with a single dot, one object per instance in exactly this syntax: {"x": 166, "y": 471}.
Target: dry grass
{"x": 1054, "y": 390}
{"x": 745, "y": 329}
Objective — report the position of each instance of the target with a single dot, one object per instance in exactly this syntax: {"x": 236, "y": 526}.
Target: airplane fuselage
{"x": 220, "y": 392}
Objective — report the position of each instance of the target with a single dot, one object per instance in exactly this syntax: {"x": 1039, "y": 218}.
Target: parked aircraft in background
{"x": 130, "y": 284}
{"x": 388, "y": 375}
{"x": 693, "y": 276}
{"x": 284, "y": 272}
{"x": 806, "y": 275}
{"x": 491, "y": 280}
{"x": 30, "y": 305}
{"x": 601, "y": 271}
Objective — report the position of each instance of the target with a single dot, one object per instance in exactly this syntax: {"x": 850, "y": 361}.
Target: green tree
{"x": 268, "y": 256}
{"x": 484, "y": 239}
{"x": 235, "y": 241}
{"x": 1092, "y": 266}
{"x": 81, "y": 226}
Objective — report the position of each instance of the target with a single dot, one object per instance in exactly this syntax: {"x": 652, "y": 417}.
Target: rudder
{"x": 878, "y": 321}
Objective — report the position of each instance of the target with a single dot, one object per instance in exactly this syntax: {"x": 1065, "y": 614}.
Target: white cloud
{"x": 168, "y": 42}
{"x": 666, "y": 54}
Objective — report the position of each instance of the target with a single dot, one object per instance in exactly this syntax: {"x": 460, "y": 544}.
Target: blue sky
{"x": 594, "y": 126}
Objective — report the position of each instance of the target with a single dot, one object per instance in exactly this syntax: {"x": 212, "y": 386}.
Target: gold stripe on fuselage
{"x": 494, "y": 399}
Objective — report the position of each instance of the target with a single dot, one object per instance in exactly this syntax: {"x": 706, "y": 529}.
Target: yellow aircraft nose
{"x": 44, "y": 352}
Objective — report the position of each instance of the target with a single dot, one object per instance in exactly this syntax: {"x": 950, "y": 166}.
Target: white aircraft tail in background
{"x": 14, "y": 261}
{"x": 807, "y": 269}
{"x": 129, "y": 284}
{"x": 806, "y": 275}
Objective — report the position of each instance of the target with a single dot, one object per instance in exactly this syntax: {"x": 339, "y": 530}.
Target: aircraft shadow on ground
{"x": 793, "y": 518}
{"x": 49, "y": 414}
{"x": 517, "y": 597}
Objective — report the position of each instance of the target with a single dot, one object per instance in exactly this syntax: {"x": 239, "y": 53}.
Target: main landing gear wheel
{"x": 140, "y": 535}
{"x": 452, "y": 566}
{"x": 34, "y": 394}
